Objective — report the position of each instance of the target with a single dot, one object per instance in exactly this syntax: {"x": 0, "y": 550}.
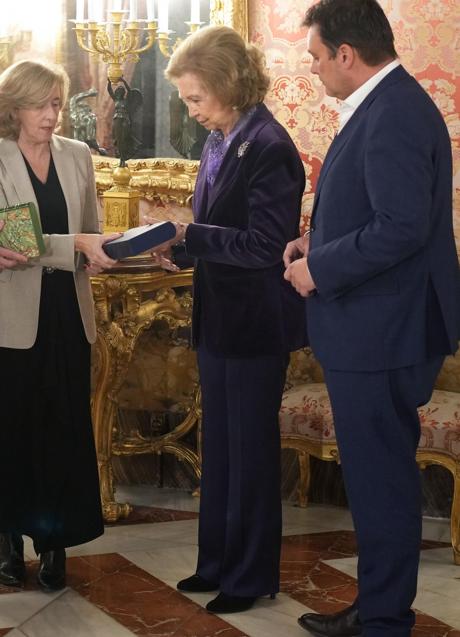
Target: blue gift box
{"x": 141, "y": 239}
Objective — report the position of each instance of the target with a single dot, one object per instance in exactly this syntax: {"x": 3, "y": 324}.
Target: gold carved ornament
{"x": 126, "y": 306}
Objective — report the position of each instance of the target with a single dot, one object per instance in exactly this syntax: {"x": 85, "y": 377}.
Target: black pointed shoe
{"x": 196, "y": 584}
{"x": 229, "y": 604}
{"x": 342, "y": 624}
{"x": 51, "y": 573}
{"x": 12, "y": 568}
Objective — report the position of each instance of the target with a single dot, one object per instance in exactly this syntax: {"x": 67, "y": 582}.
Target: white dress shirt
{"x": 348, "y": 106}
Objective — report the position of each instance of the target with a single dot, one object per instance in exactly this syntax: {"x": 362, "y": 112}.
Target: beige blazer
{"x": 20, "y": 287}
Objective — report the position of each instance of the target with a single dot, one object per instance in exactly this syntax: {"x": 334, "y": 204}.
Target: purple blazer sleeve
{"x": 272, "y": 182}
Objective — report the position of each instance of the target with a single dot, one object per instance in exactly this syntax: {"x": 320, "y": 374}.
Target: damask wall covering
{"x": 427, "y": 36}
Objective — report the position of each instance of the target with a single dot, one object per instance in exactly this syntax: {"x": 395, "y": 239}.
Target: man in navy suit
{"x": 380, "y": 273}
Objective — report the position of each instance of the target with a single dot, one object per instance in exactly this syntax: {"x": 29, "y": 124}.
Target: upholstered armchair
{"x": 307, "y": 427}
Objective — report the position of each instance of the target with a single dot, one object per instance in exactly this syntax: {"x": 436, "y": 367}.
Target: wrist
{"x": 181, "y": 229}
{"x": 79, "y": 242}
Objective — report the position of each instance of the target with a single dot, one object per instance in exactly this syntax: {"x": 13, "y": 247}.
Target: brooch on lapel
{"x": 242, "y": 149}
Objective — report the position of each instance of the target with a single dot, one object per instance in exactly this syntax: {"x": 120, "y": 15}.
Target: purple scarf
{"x": 218, "y": 145}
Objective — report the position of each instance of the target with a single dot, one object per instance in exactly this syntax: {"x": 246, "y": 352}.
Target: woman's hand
{"x": 163, "y": 253}
{"x": 162, "y": 256}
{"x": 91, "y": 246}
{"x": 181, "y": 229}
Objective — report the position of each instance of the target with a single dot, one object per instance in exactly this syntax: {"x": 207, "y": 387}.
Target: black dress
{"x": 49, "y": 486}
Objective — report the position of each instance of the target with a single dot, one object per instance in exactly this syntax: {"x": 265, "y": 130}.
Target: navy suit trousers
{"x": 240, "y": 506}
{"x": 378, "y": 431}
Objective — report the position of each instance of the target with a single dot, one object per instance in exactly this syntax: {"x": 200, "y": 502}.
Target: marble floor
{"x": 123, "y": 583}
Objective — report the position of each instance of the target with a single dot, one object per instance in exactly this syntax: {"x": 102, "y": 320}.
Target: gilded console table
{"x": 128, "y": 301}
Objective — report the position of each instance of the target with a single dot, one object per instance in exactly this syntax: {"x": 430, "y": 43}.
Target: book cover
{"x": 22, "y": 231}
{"x": 141, "y": 239}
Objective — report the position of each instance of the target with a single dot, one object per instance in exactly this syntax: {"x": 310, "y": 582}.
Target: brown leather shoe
{"x": 342, "y": 624}
{"x": 12, "y": 567}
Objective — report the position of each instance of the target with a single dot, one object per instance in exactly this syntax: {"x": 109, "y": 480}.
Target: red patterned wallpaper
{"x": 427, "y": 36}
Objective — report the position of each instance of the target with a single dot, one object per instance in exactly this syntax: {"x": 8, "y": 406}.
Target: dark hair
{"x": 360, "y": 23}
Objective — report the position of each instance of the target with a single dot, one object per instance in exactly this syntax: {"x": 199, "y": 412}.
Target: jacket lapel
{"x": 200, "y": 191}
{"x": 16, "y": 185}
{"x": 346, "y": 133}
{"x": 237, "y": 154}
{"x": 65, "y": 169}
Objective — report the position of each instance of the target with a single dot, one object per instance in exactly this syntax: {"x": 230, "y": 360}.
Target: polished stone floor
{"x": 123, "y": 584}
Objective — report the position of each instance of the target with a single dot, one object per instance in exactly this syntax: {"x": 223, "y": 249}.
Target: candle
{"x": 116, "y": 5}
{"x": 92, "y": 10}
{"x": 195, "y": 12}
{"x": 132, "y": 10}
{"x": 80, "y": 16}
{"x": 150, "y": 10}
{"x": 163, "y": 16}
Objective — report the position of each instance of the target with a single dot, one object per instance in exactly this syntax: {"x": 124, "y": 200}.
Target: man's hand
{"x": 296, "y": 249}
{"x": 298, "y": 275}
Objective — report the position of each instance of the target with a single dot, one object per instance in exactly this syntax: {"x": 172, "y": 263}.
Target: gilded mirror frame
{"x": 165, "y": 179}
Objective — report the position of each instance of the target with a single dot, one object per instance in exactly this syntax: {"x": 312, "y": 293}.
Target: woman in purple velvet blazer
{"x": 246, "y": 318}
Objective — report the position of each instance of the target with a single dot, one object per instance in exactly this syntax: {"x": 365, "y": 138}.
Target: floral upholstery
{"x": 306, "y": 411}
{"x": 440, "y": 420}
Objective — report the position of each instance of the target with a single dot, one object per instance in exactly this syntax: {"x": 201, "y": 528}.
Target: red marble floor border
{"x": 4, "y": 631}
{"x": 307, "y": 579}
{"x": 140, "y": 602}
{"x": 150, "y": 608}
{"x": 134, "y": 598}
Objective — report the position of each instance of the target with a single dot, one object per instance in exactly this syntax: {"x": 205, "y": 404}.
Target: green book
{"x": 22, "y": 231}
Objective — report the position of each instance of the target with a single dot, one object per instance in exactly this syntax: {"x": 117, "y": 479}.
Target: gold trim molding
{"x": 233, "y": 13}
{"x": 157, "y": 180}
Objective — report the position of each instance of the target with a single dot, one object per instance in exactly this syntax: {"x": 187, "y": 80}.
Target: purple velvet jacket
{"x": 242, "y": 305}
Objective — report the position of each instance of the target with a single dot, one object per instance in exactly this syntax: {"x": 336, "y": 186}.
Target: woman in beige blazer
{"x": 49, "y": 486}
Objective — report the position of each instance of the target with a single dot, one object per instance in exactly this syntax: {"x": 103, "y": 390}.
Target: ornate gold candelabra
{"x": 116, "y": 42}
{"x": 119, "y": 45}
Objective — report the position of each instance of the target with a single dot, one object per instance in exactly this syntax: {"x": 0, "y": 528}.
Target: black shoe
{"x": 12, "y": 567}
{"x": 51, "y": 574}
{"x": 343, "y": 624}
{"x": 196, "y": 584}
{"x": 229, "y": 604}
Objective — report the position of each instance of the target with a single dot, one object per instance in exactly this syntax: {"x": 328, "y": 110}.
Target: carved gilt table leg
{"x": 127, "y": 304}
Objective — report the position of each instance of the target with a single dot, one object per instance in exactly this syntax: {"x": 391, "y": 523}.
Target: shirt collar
{"x": 348, "y": 106}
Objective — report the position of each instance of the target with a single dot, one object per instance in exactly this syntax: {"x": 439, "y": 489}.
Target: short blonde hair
{"x": 27, "y": 84}
{"x": 230, "y": 69}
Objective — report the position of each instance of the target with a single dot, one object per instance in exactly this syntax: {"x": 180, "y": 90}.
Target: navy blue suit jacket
{"x": 382, "y": 253}
{"x": 242, "y": 305}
